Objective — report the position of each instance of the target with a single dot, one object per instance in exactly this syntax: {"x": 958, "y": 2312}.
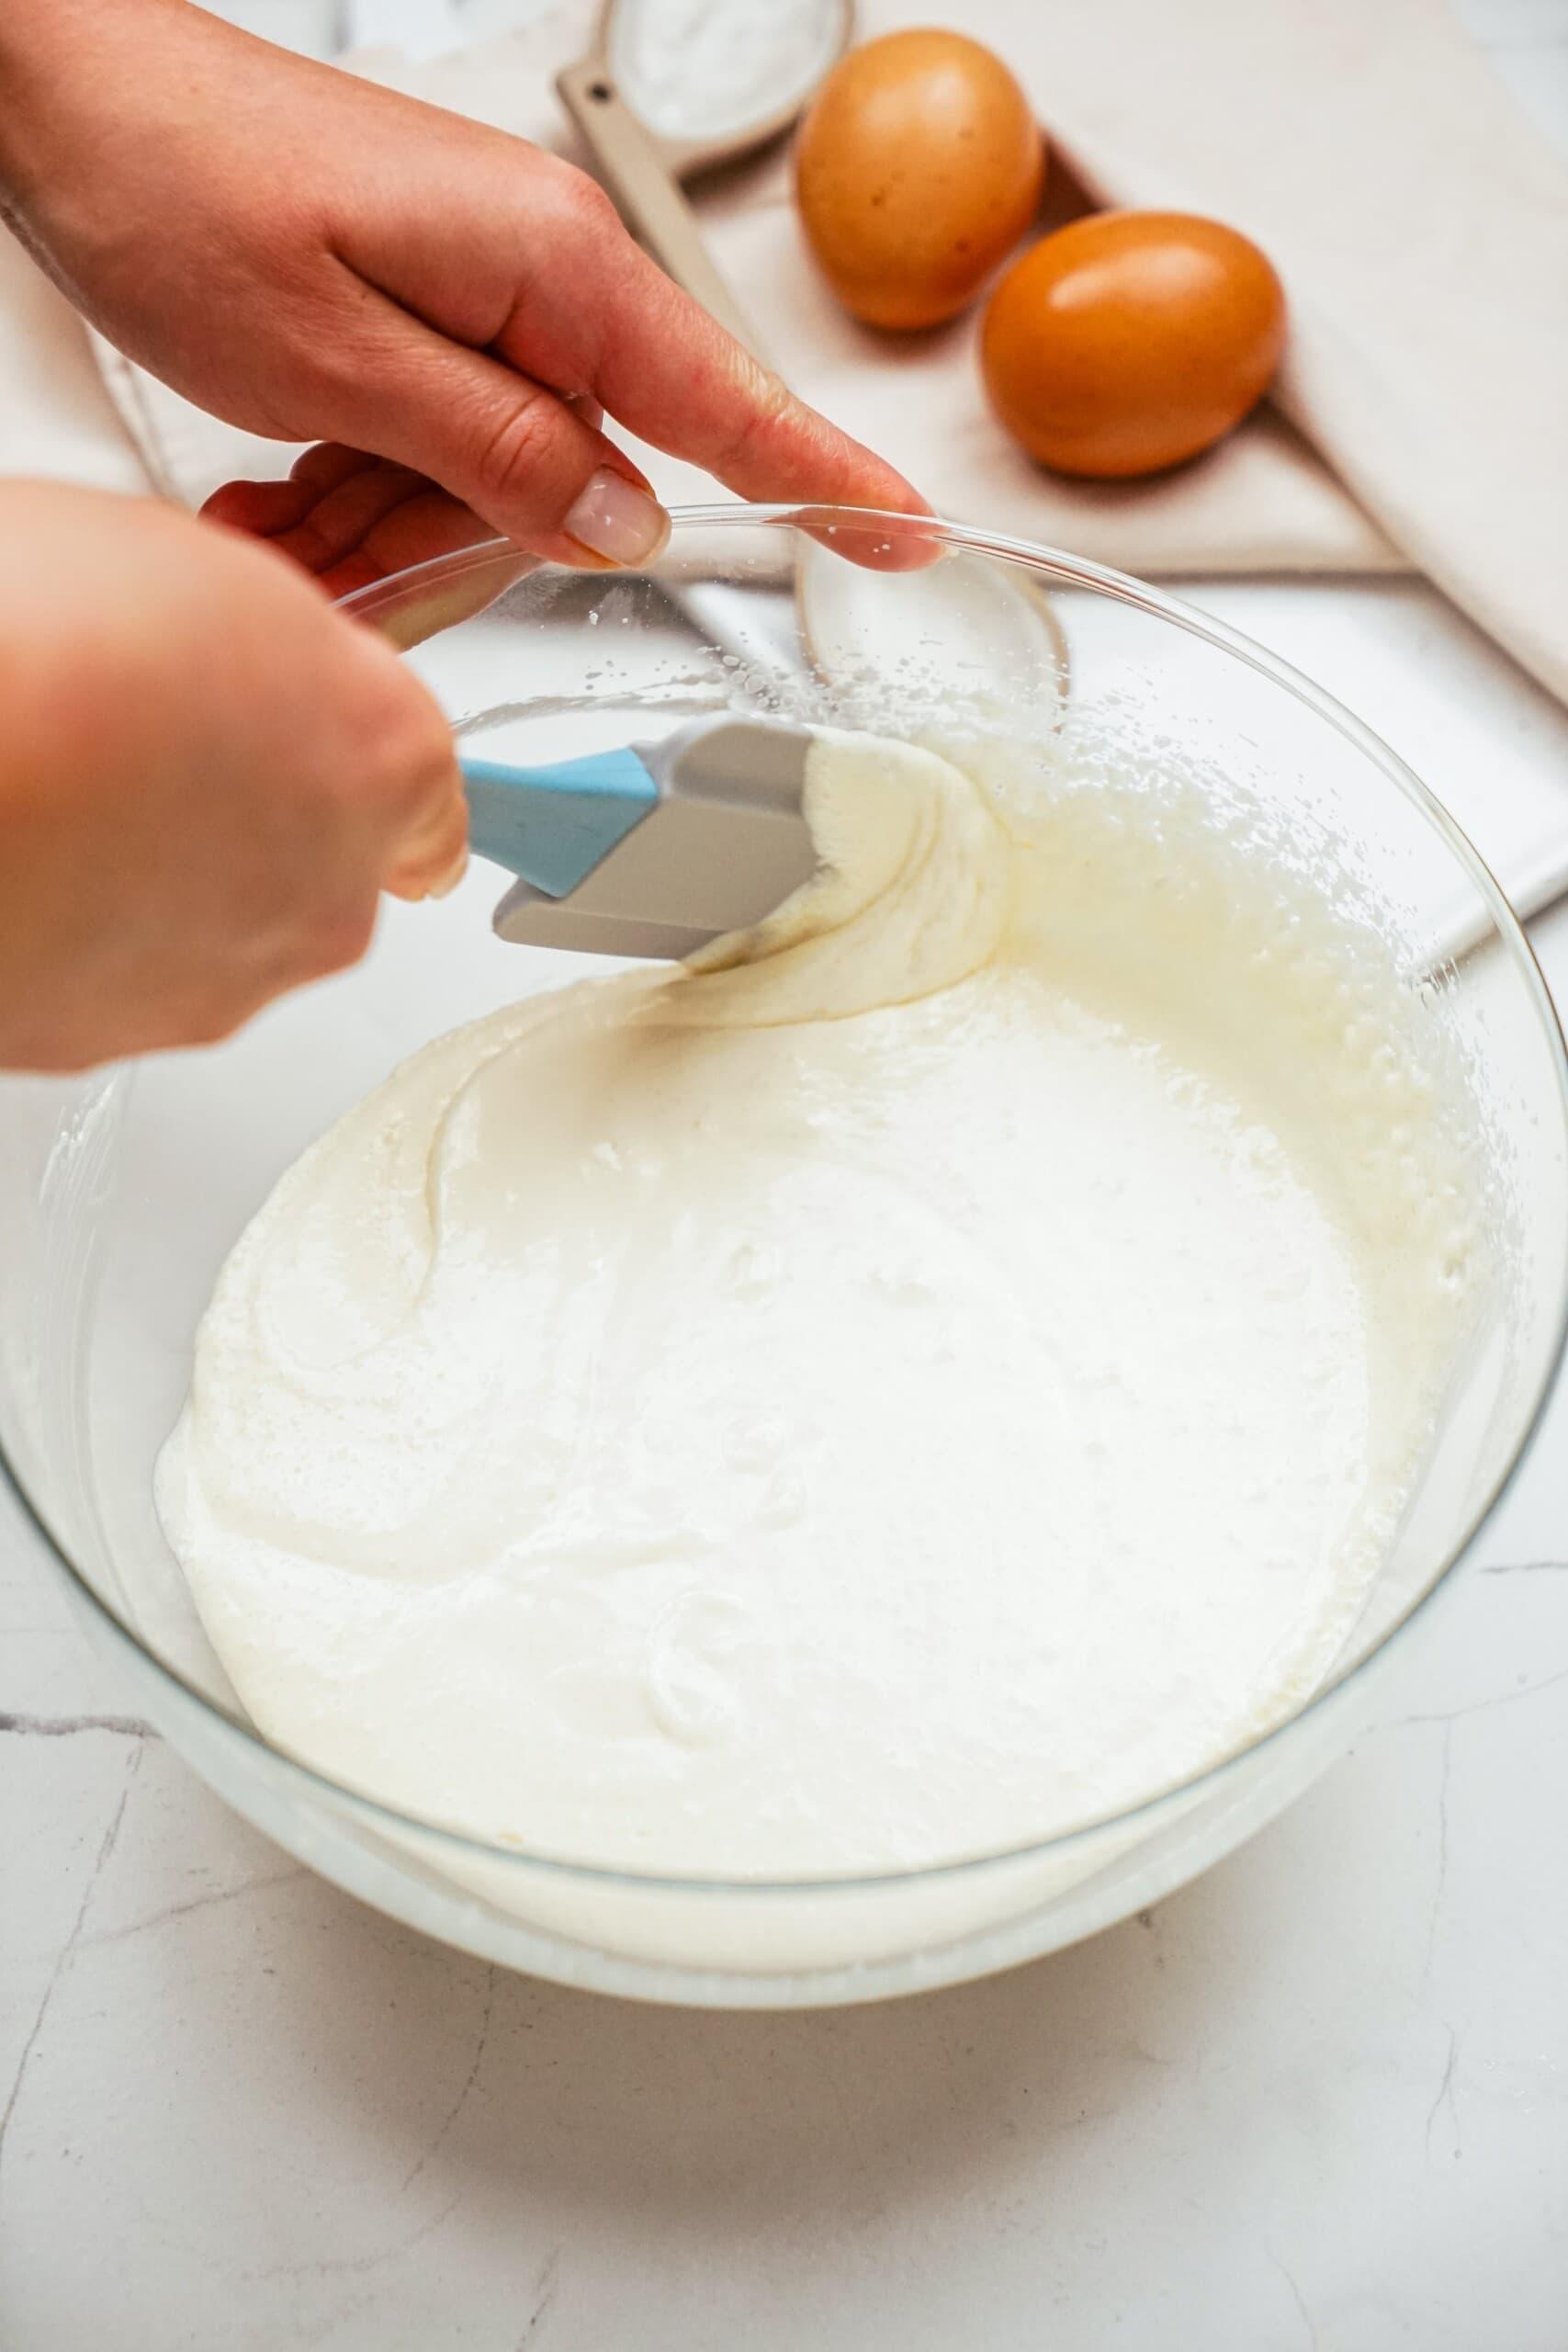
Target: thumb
{"x": 530, "y": 463}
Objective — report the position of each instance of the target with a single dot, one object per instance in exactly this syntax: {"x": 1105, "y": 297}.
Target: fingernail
{"x": 444, "y": 887}
{"x": 614, "y": 519}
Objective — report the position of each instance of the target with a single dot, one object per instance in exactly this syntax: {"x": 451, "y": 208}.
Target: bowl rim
{"x": 1064, "y": 569}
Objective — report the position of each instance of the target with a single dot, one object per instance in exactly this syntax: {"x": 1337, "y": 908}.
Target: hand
{"x": 318, "y": 259}
{"x": 207, "y": 778}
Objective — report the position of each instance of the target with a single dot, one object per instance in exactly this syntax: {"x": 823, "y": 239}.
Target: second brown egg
{"x": 1130, "y": 341}
{"x": 919, "y": 167}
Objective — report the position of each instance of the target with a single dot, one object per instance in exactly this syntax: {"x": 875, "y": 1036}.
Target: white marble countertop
{"x": 1317, "y": 2102}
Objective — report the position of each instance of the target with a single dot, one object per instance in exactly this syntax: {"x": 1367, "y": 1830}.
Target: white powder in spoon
{"x": 707, "y": 69}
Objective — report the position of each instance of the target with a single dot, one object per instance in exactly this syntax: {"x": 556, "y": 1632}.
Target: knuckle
{"x": 766, "y": 402}
{"x": 593, "y": 210}
{"x": 577, "y": 201}
{"x": 514, "y": 448}
{"x": 431, "y": 747}
{"x": 415, "y": 743}
{"x": 419, "y": 867}
{"x": 337, "y": 939}
{"x": 213, "y": 1025}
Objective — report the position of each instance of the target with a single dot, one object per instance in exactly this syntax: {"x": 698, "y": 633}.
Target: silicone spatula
{"x": 653, "y": 849}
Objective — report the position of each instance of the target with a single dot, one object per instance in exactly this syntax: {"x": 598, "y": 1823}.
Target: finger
{"x": 435, "y": 863}
{"x": 264, "y": 509}
{"x": 674, "y": 376}
{"x": 700, "y": 395}
{"x": 319, "y": 516}
{"x": 326, "y": 463}
{"x": 426, "y": 524}
{"x": 577, "y": 307}
{"x": 372, "y": 518}
{"x": 337, "y": 522}
{"x": 585, "y": 310}
{"x": 515, "y": 453}
{"x": 429, "y": 847}
{"x": 257, "y": 508}
{"x": 396, "y": 787}
{"x": 425, "y": 607}
{"x": 355, "y": 572}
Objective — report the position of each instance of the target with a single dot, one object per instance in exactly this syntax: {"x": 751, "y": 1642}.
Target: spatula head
{"x": 726, "y": 842}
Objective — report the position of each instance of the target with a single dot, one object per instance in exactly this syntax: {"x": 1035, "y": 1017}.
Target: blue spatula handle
{"x": 552, "y": 825}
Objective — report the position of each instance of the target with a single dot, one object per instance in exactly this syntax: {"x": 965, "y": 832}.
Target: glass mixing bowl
{"x": 121, "y": 1191}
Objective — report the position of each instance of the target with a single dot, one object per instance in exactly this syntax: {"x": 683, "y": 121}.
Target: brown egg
{"x": 1130, "y": 341}
{"x": 919, "y": 165}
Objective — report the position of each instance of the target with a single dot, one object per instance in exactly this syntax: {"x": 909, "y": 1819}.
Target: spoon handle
{"x": 647, "y": 195}
{"x": 551, "y": 826}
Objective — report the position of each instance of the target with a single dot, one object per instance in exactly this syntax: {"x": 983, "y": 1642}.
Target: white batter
{"x": 939, "y": 1378}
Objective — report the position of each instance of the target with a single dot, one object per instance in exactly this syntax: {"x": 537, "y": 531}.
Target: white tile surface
{"x": 1316, "y": 2103}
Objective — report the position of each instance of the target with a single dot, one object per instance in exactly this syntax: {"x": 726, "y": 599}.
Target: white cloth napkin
{"x": 1420, "y": 224}
{"x": 57, "y": 420}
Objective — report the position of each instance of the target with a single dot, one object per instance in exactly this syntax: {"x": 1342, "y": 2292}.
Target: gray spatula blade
{"x": 725, "y": 844}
